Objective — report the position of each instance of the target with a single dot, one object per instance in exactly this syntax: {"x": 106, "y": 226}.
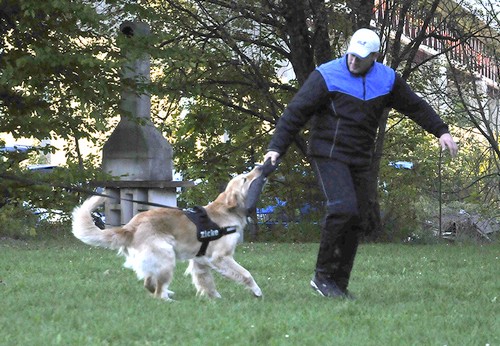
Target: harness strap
{"x": 207, "y": 230}
{"x": 204, "y": 244}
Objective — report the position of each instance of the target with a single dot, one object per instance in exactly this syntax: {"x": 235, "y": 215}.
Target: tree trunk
{"x": 361, "y": 13}
{"x": 375, "y": 219}
{"x": 301, "y": 53}
{"x": 320, "y": 39}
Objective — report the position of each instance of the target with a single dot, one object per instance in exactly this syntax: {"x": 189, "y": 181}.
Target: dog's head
{"x": 237, "y": 189}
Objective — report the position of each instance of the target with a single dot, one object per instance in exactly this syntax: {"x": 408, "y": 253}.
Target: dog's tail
{"x": 85, "y": 229}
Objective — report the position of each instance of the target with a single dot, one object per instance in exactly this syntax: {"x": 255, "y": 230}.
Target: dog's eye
{"x": 244, "y": 180}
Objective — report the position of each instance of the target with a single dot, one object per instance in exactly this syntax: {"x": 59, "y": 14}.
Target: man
{"x": 344, "y": 100}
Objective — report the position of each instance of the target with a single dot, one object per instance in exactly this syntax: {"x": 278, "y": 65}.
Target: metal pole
{"x": 439, "y": 191}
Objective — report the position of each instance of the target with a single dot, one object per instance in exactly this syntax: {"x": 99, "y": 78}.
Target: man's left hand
{"x": 446, "y": 141}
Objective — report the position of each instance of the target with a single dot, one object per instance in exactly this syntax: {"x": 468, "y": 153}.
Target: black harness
{"x": 207, "y": 230}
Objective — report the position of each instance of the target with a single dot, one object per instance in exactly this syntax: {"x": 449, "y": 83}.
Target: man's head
{"x": 362, "y": 51}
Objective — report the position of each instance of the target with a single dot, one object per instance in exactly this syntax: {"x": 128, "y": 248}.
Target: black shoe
{"x": 326, "y": 287}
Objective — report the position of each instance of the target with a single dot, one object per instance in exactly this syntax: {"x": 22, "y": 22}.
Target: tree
{"x": 256, "y": 36}
{"x": 220, "y": 79}
{"x": 59, "y": 77}
{"x": 476, "y": 102}
{"x": 452, "y": 29}
{"x": 56, "y": 66}
{"x": 231, "y": 82}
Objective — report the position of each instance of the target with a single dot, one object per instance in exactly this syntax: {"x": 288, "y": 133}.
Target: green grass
{"x": 63, "y": 292}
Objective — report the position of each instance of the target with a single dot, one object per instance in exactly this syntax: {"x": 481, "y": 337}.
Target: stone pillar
{"x": 136, "y": 153}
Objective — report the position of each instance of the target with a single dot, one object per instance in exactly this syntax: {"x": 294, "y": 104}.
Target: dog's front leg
{"x": 228, "y": 267}
{"x": 202, "y": 279}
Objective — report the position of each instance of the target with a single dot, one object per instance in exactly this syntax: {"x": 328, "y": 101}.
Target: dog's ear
{"x": 233, "y": 194}
{"x": 232, "y": 199}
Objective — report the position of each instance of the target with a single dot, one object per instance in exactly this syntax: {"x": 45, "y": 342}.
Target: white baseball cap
{"x": 363, "y": 42}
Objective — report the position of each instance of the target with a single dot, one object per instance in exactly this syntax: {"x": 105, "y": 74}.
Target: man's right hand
{"x": 273, "y": 155}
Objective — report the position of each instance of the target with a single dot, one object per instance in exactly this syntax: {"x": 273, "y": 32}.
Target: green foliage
{"x": 58, "y": 74}
{"x": 226, "y": 81}
{"x": 24, "y": 222}
{"x": 58, "y": 79}
{"x": 217, "y": 92}
{"x": 291, "y": 232}
{"x": 17, "y": 222}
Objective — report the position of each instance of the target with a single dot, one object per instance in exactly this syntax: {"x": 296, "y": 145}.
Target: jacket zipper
{"x": 336, "y": 128}
{"x": 364, "y": 88}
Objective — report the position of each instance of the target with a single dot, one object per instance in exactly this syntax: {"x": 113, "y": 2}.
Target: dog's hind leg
{"x": 161, "y": 290}
{"x": 230, "y": 269}
{"x": 149, "y": 284}
{"x": 157, "y": 265}
{"x": 163, "y": 281}
{"x": 202, "y": 279}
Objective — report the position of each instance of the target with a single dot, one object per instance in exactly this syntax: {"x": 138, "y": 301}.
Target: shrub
{"x": 21, "y": 222}
{"x": 17, "y": 222}
{"x": 291, "y": 232}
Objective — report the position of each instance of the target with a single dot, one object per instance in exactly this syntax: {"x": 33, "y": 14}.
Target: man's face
{"x": 360, "y": 65}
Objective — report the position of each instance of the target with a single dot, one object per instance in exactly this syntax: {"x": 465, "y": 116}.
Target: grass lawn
{"x": 64, "y": 292}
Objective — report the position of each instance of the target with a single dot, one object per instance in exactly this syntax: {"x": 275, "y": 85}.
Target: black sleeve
{"x": 310, "y": 96}
{"x": 410, "y": 104}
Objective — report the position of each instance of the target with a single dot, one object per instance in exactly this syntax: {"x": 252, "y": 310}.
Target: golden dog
{"x": 153, "y": 240}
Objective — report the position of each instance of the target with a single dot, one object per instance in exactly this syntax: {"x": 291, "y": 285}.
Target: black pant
{"x": 347, "y": 204}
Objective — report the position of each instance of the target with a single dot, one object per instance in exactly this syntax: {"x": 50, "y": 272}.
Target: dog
{"x": 154, "y": 240}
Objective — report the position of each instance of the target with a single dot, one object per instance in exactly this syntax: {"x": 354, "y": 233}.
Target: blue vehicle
{"x": 277, "y": 214}
{"x": 402, "y": 164}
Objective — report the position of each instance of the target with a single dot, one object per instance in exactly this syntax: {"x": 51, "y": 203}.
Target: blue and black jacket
{"x": 345, "y": 109}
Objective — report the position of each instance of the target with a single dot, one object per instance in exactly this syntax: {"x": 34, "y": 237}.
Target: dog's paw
{"x": 167, "y": 295}
{"x": 208, "y": 294}
{"x": 167, "y": 299}
{"x": 213, "y": 295}
{"x": 257, "y": 292}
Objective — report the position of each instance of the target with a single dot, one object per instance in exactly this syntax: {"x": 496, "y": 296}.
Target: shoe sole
{"x": 316, "y": 288}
